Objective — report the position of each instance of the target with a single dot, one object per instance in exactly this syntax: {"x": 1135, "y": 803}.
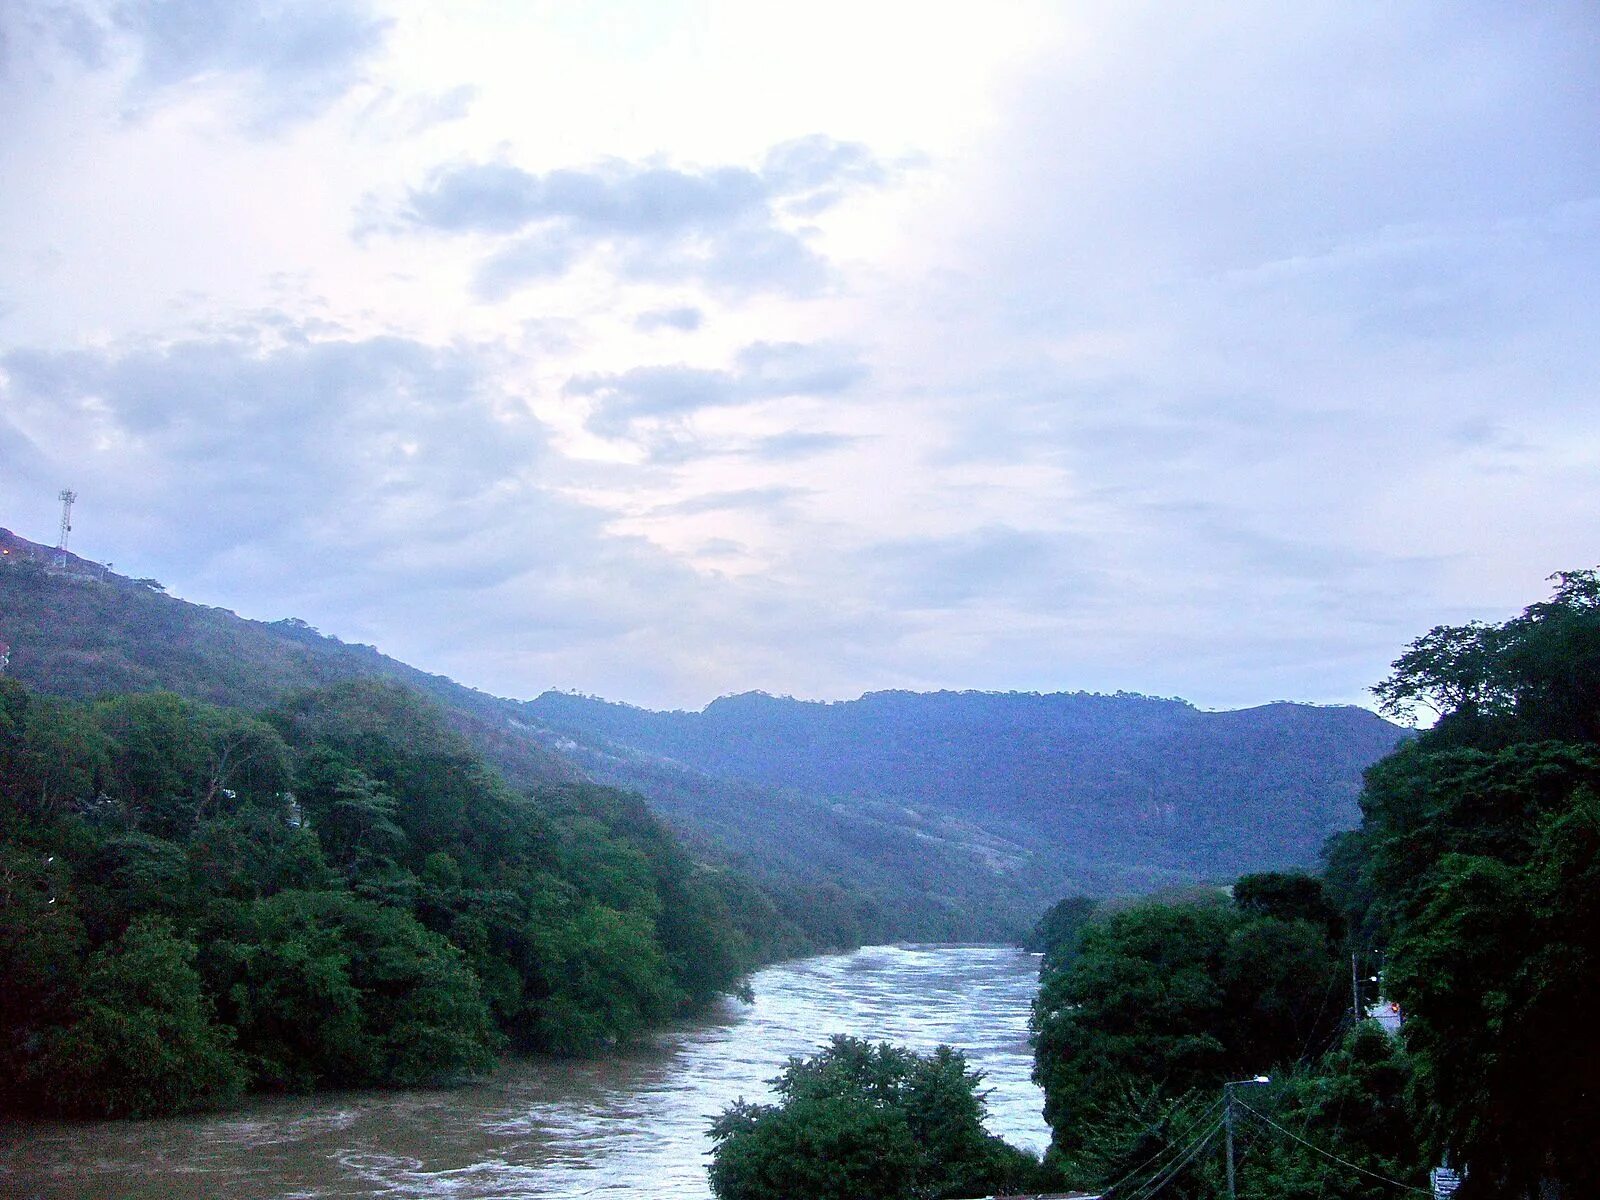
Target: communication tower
{"x": 68, "y": 497}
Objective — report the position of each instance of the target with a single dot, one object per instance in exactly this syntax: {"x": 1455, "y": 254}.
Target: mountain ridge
{"x": 1105, "y": 793}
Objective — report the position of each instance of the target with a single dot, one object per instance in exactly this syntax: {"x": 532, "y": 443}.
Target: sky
{"x": 664, "y": 350}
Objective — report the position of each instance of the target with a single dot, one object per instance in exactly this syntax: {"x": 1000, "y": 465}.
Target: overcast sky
{"x": 665, "y": 350}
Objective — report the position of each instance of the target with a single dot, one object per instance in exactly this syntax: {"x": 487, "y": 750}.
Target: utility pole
{"x": 1227, "y": 1119}
{"x": 1356, "y": 1015}
{"x": 1227, "y": 1123}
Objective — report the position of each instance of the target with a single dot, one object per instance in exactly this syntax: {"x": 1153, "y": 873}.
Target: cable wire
{"x": 1155, "y": 1186}
{"x": 1343, "y": 1162}
{"x": 1163, "y": 1152}
{"x": 1167, "y": 1170}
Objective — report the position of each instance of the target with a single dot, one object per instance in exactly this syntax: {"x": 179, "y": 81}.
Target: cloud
{"x": 720, "y": 225}
{"x": 1284, "y": 269}
{"x": 740, "y": 499}
{"x": 519, "y": 262}
{"x": 279, "y": 61}
{"x": 762, "y": 371}
{"x": 797, "y": 444}
{"x": 686, "y": 319}
{"x": 805, "y": 166}
{"x": 798, "y": 369}
{"x": 382, "y": 488}
{"x": 1197, "y": 142}
{"x": 231, "y": 443}
{"x": 19, "y": 457}
{"x": 1218, "y": 355}
{"x": 393, "y": 112}
{"x": 28, "y": 26}
{"x": 995, "y": 565}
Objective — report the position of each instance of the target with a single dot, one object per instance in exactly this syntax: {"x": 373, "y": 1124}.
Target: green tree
{"x": 254, "y": 853}
{"x": 1476, "y": 864}
{"x": 63, "y": 758}
{"x": 1534, "y": 677}
{"x": 604, "y": 979}
{"x": 1059, "y": 932}
{"x": 375, "y": 905}
{"x": 131, "y": 875}
{"x": 1354, "y": 1104}
{"x": 865, "y": 1122}
{"x": 1289, "y": 896}
{"x": 1163, "y": 1003}
{"x": 326, "y": 988}
{"x": 354, "y": 815}
{"x": 830, "y": 1148}
{"x": 177, "y": 762}
{"x": 1143, "y": 1003}
{"x": 141, "y": 1038}
{"x": 42, "y": 947}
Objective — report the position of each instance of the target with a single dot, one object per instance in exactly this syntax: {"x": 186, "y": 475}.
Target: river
{"x": 630, "y": 1124}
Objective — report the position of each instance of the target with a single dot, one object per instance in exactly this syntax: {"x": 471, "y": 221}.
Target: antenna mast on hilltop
{"x": 68, "y": 497}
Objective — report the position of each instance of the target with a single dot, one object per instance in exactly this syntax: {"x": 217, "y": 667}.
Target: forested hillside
{"x": 1006, "y": 800}
{"x": 195, "y": 901}
{"x": 87, "y": 631}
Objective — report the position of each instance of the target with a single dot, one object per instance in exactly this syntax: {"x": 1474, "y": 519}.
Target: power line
{"x": 1154, "y": 1186}
{"x": 1343, "y": 1162}
{"x": 1177, "y": 1158}
{"x": 1163, "y": 1152}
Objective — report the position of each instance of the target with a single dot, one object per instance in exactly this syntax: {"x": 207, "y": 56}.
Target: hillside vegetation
{"x": 87, "y": 632}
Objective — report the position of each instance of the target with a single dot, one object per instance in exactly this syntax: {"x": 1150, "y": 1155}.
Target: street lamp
{"x": 1227, "y": 1117}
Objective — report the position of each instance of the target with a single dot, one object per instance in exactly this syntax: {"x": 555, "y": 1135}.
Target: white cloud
{"x": 1212, "y": 353}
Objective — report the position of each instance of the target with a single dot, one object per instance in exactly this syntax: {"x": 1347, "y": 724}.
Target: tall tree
{"x": 1480, "y": 843}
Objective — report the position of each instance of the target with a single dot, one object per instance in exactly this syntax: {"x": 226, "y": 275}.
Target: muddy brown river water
{"x": 632, "y": 1124}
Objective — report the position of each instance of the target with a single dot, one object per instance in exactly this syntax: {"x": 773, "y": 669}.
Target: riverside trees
{"x": 1160, "y": 1004}
{"x": 194, "y": 901}
{"x": 1478, "y": 865}
{"x": 1476, "y": 871}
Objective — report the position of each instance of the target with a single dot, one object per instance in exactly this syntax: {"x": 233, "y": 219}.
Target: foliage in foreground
{"x": 1476, "y": 871}
{"x": 1161, "y": 1004}
{"x": 1477, "y": 865}
{"x": 864, "y": 1121}
{"x": 195, "y": 902}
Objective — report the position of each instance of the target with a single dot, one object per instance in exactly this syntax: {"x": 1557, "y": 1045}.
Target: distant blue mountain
{"x": 984, "y": 804}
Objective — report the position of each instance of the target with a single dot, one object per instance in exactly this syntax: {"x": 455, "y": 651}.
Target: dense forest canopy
{"x": 1477, "y": 866}
{"x": 195, "y": 901}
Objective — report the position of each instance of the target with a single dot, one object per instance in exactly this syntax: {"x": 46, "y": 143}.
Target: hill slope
{"x": 83, "y": 631}
{"x": 1012, "y": 799}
